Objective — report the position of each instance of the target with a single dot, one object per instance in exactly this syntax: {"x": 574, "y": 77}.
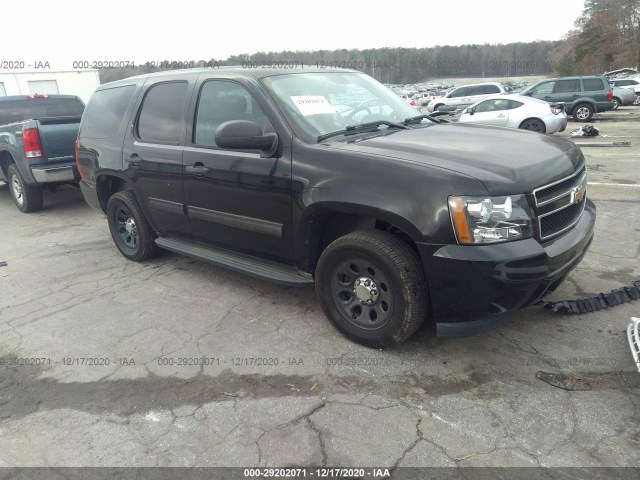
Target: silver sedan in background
{"x": 516, "y": 111}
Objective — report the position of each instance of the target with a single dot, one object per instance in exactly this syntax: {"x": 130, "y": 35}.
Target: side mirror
{"x": 246, "y": 135}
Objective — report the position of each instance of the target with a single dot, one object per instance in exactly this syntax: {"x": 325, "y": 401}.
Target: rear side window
{"x": 160, "y": 119}
{"x": 489, "y": 89}
{"x": 592, "y": 84}
{"x": 105, "y": 112}
{"x": 567, "y": 86}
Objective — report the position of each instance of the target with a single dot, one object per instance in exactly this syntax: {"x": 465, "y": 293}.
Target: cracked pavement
{"x": 273, "y": 384}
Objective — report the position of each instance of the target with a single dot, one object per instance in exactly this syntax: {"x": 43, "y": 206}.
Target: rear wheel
{"x": 28, "y": 198}
{"x": 616, "y": 102}
{"x": 371, "y": 287}
{"x": 129, "y": 228}
{"x": 534, "y": 125}
{"x": 583, "y": 112}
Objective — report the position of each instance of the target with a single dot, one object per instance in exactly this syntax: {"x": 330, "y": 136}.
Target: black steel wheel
{"x": 534, "y": 125}
{"x": 129, "y": 228}
{"x": 371, "y": 287}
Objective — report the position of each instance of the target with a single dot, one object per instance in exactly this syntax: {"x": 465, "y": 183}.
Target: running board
{"x": 256, "y": 267}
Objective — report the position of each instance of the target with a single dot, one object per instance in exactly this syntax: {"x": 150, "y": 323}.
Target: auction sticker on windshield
{"x": 312, "y": 105}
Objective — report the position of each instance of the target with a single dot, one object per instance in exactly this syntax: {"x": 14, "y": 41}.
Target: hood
{"x": 507, "y": 161}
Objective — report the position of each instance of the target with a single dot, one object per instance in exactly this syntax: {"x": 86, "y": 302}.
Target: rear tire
{"x": 534, "y": 125}
{"x": 371, "y": 287}
{"x": 616, "y": 102}
{"x": 583, "y": 112}
{"x": 129, "y": 228}
{"x": 28, "y": 198}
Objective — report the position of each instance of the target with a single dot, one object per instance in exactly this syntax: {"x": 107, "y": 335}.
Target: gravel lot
{"x": 115, "y": 384}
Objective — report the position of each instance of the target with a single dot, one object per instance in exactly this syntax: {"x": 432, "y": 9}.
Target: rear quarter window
{"x": 489, "y": 89}
{"x": 593, "y": 84}
{"x": 105, "y": 112}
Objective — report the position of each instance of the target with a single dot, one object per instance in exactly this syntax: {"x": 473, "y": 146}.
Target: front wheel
{"x": 583, "y": 112}
{"x": 371, "y": 287}
{"x": 129, "y": 228}
{"x": 28, "y": 198}
{"x": 616, "y": 103}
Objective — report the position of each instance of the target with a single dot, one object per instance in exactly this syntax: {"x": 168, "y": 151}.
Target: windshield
{"x": 326, "y": 102}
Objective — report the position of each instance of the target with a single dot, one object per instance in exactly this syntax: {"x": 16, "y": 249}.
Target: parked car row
{"x": 328, "y": 178}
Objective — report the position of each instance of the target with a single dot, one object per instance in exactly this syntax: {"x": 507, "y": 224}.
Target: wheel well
{"x": 544, "y": 126}
{"x": 326, "y": 227}
{"x": 5, "y": 160}
{"x": 106, "y": 186}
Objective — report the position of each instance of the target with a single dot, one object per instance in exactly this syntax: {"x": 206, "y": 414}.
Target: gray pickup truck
{"x": 37, "y": 145}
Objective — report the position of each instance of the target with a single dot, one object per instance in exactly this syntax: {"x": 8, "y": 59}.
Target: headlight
{"x": 490, "y": 220}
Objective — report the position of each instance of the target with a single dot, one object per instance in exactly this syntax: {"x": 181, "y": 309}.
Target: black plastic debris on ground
{"x": 597, "y": 302}
{"x": 3, "y": 264}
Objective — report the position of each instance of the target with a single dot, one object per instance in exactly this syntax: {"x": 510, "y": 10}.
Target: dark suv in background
{"x": 582, "y": 96}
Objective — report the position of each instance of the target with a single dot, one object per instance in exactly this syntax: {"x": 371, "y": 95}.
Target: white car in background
{"x": 632, "y": 84}
{"x": 466, "y": 95}
{"x": 516, "y": 111}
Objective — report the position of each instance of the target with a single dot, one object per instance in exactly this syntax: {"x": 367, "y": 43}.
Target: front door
{"x": 236, "y": 199}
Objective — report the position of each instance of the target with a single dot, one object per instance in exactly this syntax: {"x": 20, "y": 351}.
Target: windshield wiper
{"x": 417, "y": 118}
{"x": 352, "y": 129}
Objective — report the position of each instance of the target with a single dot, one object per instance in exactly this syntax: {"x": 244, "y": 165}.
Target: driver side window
{"x": 221, "y": 101}
{"x": 543, "y": 88}
{"x": 492, "y": 106}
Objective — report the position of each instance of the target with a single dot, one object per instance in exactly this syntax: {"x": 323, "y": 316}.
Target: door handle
{"x": 547, "y": 97}
{"x": 198, "y": 169}
{"x": 501, "y": 116}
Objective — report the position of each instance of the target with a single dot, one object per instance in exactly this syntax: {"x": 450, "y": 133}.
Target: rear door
{"x": 153, "y": 151}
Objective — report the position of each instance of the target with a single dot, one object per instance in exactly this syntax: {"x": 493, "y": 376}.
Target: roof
{"x": 232, "y": 71}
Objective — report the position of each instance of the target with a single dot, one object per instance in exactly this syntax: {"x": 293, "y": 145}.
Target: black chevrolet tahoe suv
{"x": 325, "y": 176}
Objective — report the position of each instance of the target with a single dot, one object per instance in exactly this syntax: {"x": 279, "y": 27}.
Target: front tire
{"x": 583, "y": 112}
{"x": 129, "y": 228}
{"x": 28, "y": 198}
{"x": 371, "y": 287}
{"x": 616, "y": 102}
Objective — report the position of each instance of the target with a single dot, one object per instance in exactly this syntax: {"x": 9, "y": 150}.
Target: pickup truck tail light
{"x": 31, "y": 143}
{"x": 610, "y": 95}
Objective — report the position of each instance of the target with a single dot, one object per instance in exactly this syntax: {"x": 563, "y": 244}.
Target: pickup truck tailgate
{"x": 58, "y": 136}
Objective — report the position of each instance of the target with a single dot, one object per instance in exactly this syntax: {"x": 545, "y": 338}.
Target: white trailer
{"x": 70, "y": 82}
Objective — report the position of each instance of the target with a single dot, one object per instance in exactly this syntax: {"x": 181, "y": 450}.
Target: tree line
{"x": 606, "y": 36}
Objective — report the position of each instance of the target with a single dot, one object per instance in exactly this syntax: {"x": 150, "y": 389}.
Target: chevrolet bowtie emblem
{"x": 578, "y": 193}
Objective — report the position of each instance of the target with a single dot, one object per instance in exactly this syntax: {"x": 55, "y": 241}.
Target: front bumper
{"x": 473, "y": 288}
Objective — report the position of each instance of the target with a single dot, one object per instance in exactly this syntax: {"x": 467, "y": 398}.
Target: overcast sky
{"x": 61, "y": 31}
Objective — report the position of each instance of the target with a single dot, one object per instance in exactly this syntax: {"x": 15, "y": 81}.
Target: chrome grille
{"x": 560, "y": 204}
